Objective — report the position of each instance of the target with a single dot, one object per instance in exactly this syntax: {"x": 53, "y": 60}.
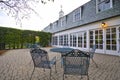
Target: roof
{"x": 88, "y": 15}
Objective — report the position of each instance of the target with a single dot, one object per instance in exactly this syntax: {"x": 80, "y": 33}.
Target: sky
{"x": 48, "y": 13}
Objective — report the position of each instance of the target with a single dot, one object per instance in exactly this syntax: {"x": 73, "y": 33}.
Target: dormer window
{"x": 77, "y": 15}
{"x": 63, "y": 21}
{"x": 54, "y": 24}
{"x": 102, "y": 5}
{"x": 51, "y": 27}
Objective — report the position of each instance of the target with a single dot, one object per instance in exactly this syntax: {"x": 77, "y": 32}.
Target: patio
{"x": 17, "y": 65}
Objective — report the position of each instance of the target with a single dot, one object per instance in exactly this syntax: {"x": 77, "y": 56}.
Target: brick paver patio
{"x": 17, "y": 65}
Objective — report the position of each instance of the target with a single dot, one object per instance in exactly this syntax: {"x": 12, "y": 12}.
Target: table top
{"x": 61, "y": 50}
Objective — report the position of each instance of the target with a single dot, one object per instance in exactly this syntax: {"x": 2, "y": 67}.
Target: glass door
{"x": 99, "y": 39}
{"x": 82, "y": 40}
{"x": 111, "y": 39}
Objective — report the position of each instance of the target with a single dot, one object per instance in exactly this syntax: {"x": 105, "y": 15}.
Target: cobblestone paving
{"x": 17, "y": 65}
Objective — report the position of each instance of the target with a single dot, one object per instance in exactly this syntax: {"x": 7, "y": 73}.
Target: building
{"x": 96, "y": 22}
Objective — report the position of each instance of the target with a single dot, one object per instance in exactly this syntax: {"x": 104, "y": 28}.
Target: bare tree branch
{"x": 20, "y": 9}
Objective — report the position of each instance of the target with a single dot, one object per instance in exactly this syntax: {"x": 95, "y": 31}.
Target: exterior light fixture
{"x": 104, "y": 25}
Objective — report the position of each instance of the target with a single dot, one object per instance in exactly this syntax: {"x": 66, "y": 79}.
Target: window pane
{"x": 108, "y": 36}
{"x": 113, "y": 41}
{"x": 96, "y": 32}
{"x": 100, "y": 36}
{"x": 100, "y": 32}
{"x": 113, "y": 47}
{"x": 101, "y": 46}
{"x": 107, "y": 30}
{"x": 113, "y": 30}
{"x": 114, "y": 36}
{"x": 108, "y": 47}
{"x": 101, "y": 41}
{"x": 108, "y": 41}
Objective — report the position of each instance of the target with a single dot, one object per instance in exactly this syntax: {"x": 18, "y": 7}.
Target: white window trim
{"x": 75, "y": 13}
{"x": 61, "y": 21}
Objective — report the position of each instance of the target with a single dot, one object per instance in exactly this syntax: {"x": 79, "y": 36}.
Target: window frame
{"x": 76, "y": 13}
{"x": 63, "y": 21}
{"x": 97, "y": 4}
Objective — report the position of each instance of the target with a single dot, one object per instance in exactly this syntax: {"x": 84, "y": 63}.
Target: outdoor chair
{"x": 76, "y": 62}
{"x": 91, "y": 53}
{"x": 41, "y": 60}
{"x": 34, "y": 48}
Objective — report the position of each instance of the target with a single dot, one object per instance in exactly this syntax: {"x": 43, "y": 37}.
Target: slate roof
{"x": 88, "y": 15}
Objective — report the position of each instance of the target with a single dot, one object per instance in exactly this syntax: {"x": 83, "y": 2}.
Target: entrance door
{"x": 96, "y": 37}
{"x": 111, "y": 41}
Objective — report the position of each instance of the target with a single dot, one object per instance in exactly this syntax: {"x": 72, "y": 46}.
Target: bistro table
{"x": 63, "y": 51}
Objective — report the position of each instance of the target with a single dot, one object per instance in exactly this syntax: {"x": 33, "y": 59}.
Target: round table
{"x": 61, "y": 50}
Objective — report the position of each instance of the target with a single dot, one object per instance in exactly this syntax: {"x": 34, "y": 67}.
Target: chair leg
{"x": 81, "y": 77}
{"x": 61, "y": 62}
{"x": 32, "y": 73}
{"x": 63, "y": 76}
{"x": 55, "y": 68}
{"x": 87, "y": 77}
{"x": 50, "y": 74}
{"x": 95, "y": 63}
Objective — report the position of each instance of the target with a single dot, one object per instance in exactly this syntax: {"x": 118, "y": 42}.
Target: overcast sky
{"x": 48, "y": 14}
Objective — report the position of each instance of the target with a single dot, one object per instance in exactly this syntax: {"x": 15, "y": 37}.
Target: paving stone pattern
{"x": 17, "y": 65}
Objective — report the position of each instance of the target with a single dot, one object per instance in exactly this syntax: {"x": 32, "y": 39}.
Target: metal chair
{"x": 91, "y": 53}
{"x": 41, "y": 60}
{"x": 34, "y": 48}
{"x": 76, "y": 62}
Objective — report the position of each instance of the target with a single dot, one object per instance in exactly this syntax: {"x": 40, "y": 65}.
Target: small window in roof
{"x": 77, "y": 15}
{"x": 102, "y": 5}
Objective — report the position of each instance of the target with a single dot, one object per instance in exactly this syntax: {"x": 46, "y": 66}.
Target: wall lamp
{"x": 104, "y": 25}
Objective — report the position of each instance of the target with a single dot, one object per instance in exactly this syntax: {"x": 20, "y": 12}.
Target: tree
{"x": 44, "y": 38}
{"x": 20, "y": 9}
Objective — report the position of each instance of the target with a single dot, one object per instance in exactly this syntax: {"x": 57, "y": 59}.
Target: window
{"x": 65, "y": 40}
{"x": 119, "y": 34}
{"x": 55, "y": 40}
{"x": 71, "y": 41}
{"x": 61, "y": 40}
{"x": 51, "y": 26}
{"x": 54, "y": 24}
{"x": 77, "y": 15}
{"x": 119, "y": 38}
{"x": 99, "y": 39}
{"x": 85, "y": 40}
{"x": 91, "y": 38}
{"x": 111, "y": 39}
{"x": 103, "y": 5}
{"x": 82, "y": 39}
{"x": 63, "y": 21}
{"x": 73, "y": 38}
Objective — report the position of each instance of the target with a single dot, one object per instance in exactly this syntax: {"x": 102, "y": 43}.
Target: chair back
{"x": 40, "y": 59}
{"x": 92, "y": 51}
{"x": 76, "y": 62}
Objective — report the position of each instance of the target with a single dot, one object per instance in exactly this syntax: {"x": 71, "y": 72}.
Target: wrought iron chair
{"x": 41, "y": 60}
{"x": 34, "y": 48}
{"x": 91, "y": 53}
{"x": 76, "y": 62}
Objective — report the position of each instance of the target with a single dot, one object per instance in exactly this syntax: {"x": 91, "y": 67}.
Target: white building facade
{"x": 94, "y": 23}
